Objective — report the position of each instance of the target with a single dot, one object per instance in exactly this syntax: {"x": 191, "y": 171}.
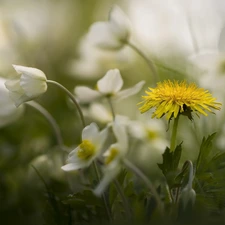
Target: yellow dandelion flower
{"x": 174, "y": 98}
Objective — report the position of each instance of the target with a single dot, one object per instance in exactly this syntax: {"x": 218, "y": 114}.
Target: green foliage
{"x": 209, "y": 178}
{"x": 170, "y": 164}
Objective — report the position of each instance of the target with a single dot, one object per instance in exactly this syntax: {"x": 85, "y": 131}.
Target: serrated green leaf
{"x": 170, "y": 164}
{"x": 204, "y": 153}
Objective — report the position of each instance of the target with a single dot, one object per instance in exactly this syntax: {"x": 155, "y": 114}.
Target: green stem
{"x": 71, "y": 97}
{"x": 148, "y": 183}
{"x": 147, "y": 60}
{"x": 174, "y": 134}
{"x": 111, "y": 107}
{"x": 124, "y": 199}
{"x": 107, "y": 208}
{"x": 50, "y": 119}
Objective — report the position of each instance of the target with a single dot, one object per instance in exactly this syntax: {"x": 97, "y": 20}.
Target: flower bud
{"x": 28, "y": 85}
{"x": 187, "y": 197}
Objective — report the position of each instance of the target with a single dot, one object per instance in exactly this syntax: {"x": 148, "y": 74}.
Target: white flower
{"x": 112, "y": 34}
{"x": 8, "y": 111}
{"x": 98, "y": 112}
{"x": 29, "y": 84}
{"x": 113, "y": 157}
{"x": 108, "y": 86}
{"x": 89, "y": 149}
{"x": 92, "y": 62}
{"x": 210, "y": 65}
{"x": 153, "y": 132}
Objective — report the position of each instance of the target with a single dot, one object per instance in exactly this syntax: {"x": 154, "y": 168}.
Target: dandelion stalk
{"x": 147, "y": 60}
{"x": 50, "y": 119}
{"x": 71, "y": 97}
{"x": 174, "y": 134}
{"x": 148, "y": 183}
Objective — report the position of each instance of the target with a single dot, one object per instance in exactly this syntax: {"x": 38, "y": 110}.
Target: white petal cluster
{"x": 112, "y": 34}
{"x": 108, "y": 86}
{"x": 8, "y": 111}
{"x": 113, "y": 156}
{"x": 90, "y": 148}
{"x": 28, "y": 85}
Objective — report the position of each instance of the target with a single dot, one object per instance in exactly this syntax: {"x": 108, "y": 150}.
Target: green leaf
{"x": 170, "y": 164}
{"x": 204, "y": 153}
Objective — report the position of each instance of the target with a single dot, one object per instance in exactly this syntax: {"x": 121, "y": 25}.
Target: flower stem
{"x": 50, "y": 119}
{"x": 107, "y": 208}
{"x": 111, "y": 107}
{"x": 123, "y": 197}
{"x": 148, "y": 61}
{"x": 141, "y": 175}
{"x": 71, "y": 97}
{"x": 174, "y": 134}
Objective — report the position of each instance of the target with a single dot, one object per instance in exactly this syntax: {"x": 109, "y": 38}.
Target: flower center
{"x": 152, "y": 134}
{"x": 86, "y": 150}
{"x": 112, "y": 155}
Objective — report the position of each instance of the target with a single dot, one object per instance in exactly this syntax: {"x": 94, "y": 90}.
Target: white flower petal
{"x": 30, "y": 71}
{"x": 100, "y": 139}
{"x": 75, "y": 166}
{"x": 8, "y": 112}
{"x": 85, "y": 94}
{"x": 90, "y": 132}
{"x": 14, "y": 85}
{"x": 130, "y": 91}
{"x": 100, "y": 113}
{"x": 120, "y": 24}
{"x": 111, "y": 83}
{"x": 32, "y": 87}
{"x": 206, "y": 61}
{"x": 121, "y": 135}
{"x": 19, "y": 98}
{"x": 109, "y": 174}
{"x": 101, "y": 35}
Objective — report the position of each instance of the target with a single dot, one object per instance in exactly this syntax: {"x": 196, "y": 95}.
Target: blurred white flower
{"x": 8, "y": 111}
{"x": 113, "y": 156}
{"x": 211, "y": 67}
{"x": 89, "y": 149}
{"x": 93, "y": 62}
{"x": 108, "y": 86}
{"x": 151, "y": 131}
{"x": 112, "y": 34}
{"x": 28, "y": 85}
{"x": 98, "y": 112}
{"x": 173, "y": 30}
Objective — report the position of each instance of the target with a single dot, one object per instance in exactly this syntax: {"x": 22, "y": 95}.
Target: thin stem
{"x": 141, "y": 175}
{"x": 124, "y": 199}
{"x": 71, "y": 97}
{"x": 50, "y": 119}
{"x": 174, "y": 134}
{"x": 111, "y": 107}
{"x": 147, "y": 60}
{"x": 107, "y": 208}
